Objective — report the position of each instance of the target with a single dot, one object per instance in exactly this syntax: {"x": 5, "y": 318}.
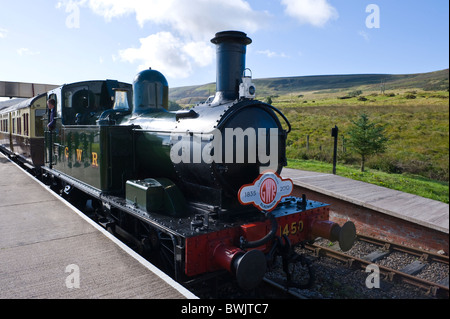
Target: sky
{"x": 64, "y": 41}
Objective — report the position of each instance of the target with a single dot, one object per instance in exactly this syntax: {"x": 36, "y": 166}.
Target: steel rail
{"x": 423, "y": 254}
{"x": 432, "y": 288}
{"x": 283, "y": 288}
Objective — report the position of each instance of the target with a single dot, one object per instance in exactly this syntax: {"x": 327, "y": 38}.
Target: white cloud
{"x": 26, "y": 51}
{"x": 197, "y": 19}
{"x": 272, "y": 54}
{"x": 3, "y": 33}
{"x": 202, "y": 53}
{"x": 365, "y": 35}
{"x": 188, "y": 26}
{"x": 314, "y": 12}
{"x": 170, "y": 55}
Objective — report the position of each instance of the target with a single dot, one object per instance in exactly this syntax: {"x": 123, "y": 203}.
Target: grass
{"x": 417, "y": 156}
{"x": 407, "y": 183}
{"x": 403, "y": 97}
{"x": 417, "y": 129}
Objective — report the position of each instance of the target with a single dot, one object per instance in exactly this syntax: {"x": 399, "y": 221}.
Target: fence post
{"x": 334, "y": 133}
{"x": 344, "y": 150}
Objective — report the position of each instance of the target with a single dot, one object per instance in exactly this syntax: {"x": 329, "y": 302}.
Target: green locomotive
{"x": 169, "y": 181}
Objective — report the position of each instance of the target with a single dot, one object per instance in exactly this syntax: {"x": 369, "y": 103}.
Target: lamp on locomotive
{"x": 121, "y": 100}
{"x": 150, "y": 92}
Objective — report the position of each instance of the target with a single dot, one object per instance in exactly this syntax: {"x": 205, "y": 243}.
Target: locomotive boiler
{"x": 168, "y": 182}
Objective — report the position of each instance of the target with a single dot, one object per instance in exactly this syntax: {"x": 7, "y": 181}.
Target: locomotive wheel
{"x": 144, "y": 247}
{"x": 165, "y": 255}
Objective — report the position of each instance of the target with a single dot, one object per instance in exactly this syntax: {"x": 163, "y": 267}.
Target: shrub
{"x": 386, "y": 164}
{"x": 355, "y": 93}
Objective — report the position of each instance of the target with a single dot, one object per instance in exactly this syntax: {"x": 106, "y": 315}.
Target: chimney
{"x": 231, "y": 49}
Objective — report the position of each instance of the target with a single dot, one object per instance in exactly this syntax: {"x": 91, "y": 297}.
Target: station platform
{"x": 48, "y": 249}
{"x": 377, "y": 210}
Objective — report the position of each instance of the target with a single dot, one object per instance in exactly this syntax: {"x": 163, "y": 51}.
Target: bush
{"x": 355, "y": 93}
{"x": 348, "y": 158}
{"x": 174, "y": 106}
{"x": 385, "y": 164}
{"x": 410, "y": 96}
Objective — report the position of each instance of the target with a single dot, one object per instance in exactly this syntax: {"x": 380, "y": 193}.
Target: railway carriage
{"x": 22, "y": 131}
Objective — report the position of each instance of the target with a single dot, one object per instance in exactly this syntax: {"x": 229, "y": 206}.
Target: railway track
{"x": 381, "y": 250}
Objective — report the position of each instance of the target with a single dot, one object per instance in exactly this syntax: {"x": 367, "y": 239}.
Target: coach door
{"x": 53, "y": 137}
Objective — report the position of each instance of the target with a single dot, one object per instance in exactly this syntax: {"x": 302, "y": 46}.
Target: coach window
{"x": 19, "y": 126}
{"x": 25, "y": 124}
{"x": 53, "y": 96}
{"x": 39, "y": 126}
{"x": 13, "y": 123}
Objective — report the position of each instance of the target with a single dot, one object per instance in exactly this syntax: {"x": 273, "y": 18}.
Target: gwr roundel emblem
{"x": 266, "y": 191}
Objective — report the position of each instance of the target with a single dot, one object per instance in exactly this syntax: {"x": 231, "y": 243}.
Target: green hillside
{"x": 435, "y": 81}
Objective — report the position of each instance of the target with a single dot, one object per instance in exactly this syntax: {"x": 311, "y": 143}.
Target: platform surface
{"x": 47, "y": 247}
{"x": 416, "y": 209}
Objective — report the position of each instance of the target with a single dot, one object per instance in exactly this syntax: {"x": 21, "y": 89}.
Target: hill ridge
{"x": 429, "y": 81}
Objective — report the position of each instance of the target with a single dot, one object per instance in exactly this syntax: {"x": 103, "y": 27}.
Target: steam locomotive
{"x": 168, "y": 182}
